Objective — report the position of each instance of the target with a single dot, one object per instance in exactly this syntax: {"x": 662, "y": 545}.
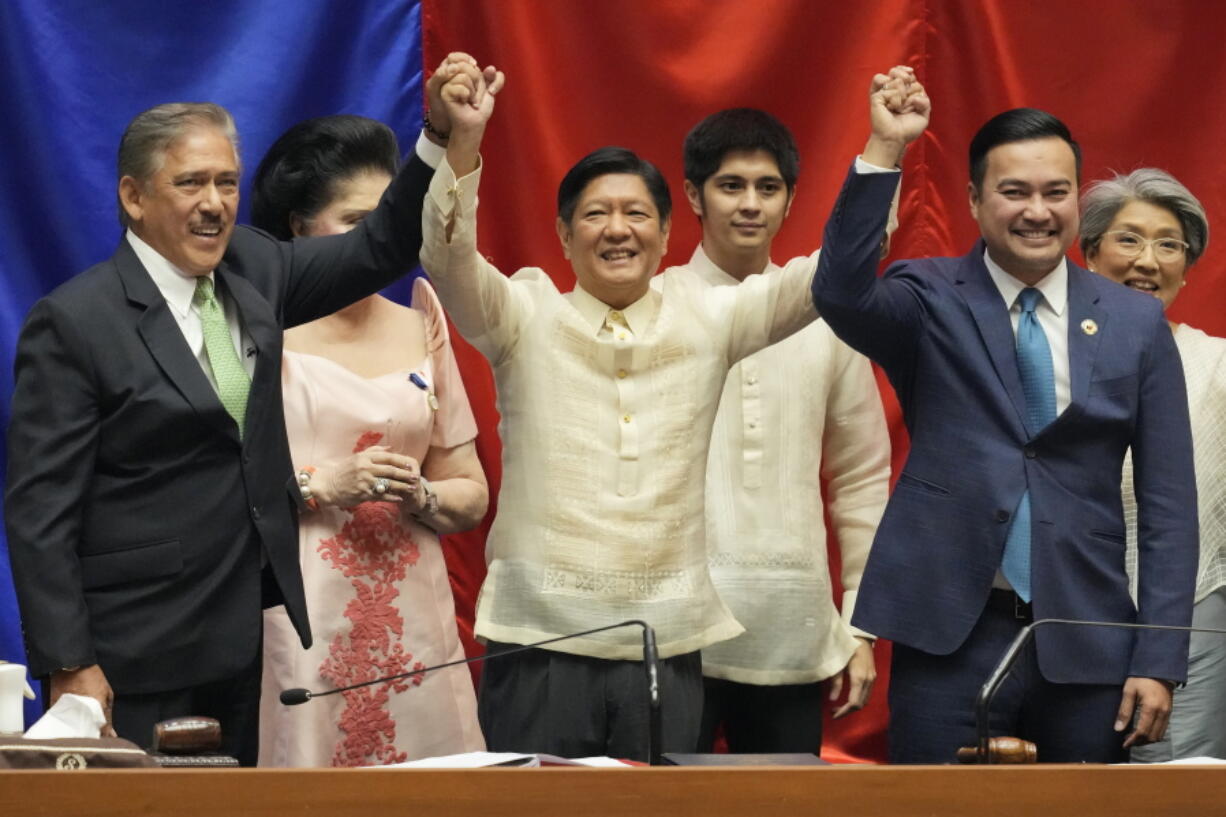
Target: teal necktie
{"x": 233, "y": 384}
{"x": 1039, "y": 385}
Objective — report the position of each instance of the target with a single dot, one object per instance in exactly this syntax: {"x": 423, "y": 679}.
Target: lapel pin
{"x": 1089, "y": 327}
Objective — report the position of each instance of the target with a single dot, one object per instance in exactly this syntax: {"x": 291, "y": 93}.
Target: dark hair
{"x": 143, "y": 146}
{"x": 715, "y": 137}
{"x": 300, "y": 172}
{"x": 603, "y": 162}
{"x": 1017, "y": 125}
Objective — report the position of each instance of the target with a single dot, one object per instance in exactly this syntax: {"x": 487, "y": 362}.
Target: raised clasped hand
{"x": 899, "y": 109}
{"x": 465, "y": 97}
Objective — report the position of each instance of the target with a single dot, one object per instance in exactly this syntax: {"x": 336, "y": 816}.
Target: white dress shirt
{"x": 1052, "y": 312}
{"x": 179, "y": 288}
{"x": 606, "y": 420}
{"x": 800, "y": 413}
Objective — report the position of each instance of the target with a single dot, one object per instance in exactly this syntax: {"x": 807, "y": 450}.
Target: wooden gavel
{"x": 1002, "y": 750}
{"x": 187, "y": 736}
{"x": 188, "y": 742}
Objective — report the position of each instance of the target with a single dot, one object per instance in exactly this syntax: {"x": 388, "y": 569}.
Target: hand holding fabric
{"x": 89, "y": 681}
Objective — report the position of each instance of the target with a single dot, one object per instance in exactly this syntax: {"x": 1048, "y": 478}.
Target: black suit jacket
{"x": 137, "y": 519}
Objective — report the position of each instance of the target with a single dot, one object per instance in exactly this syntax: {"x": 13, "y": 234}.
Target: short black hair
{"x": 1017, "y": 125}
{"x": 748, "y": 129}
{"x": 301, "y": 170}
{"x": 603, "y": 162}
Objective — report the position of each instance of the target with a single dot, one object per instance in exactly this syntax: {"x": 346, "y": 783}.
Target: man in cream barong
{"x": 607, "y": 396}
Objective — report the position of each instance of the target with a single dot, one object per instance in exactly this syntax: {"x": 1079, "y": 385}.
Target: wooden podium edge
{"x": 947, "y": 791}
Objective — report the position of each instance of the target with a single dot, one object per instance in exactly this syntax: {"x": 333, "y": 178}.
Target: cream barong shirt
{"x": 1204, "y": 369}
{"x": 800, "y": 412}
{"x": 606, "y": 419}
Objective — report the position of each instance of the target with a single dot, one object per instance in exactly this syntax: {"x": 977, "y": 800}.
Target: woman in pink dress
{"x": 382, "y": 440}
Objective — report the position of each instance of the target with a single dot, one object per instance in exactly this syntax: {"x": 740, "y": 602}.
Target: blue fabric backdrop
{"x": 74, "y": 72}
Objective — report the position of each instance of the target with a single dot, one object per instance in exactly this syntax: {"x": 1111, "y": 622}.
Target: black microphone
{"x": 983, "y": 703}
{"x": 651, "y": 660}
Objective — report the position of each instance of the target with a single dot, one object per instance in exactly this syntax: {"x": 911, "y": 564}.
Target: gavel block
{"x": 1002, "y": 750}
{"x": 189, "y": 741}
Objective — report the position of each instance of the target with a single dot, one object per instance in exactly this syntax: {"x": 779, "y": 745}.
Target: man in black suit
{"x": 151, "y": 501}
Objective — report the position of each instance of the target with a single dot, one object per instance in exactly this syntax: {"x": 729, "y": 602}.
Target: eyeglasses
{"x": 1132, "y": 245}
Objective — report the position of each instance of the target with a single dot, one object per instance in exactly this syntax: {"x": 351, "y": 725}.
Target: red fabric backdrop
{"x": 1136, "y": 82}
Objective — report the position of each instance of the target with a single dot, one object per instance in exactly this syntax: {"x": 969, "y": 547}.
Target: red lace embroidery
{"x": 374, "y": 551}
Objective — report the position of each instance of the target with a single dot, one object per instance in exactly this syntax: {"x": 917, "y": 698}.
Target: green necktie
{"x": 233, "y": 384}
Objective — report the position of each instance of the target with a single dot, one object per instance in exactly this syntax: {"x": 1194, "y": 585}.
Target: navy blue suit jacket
{"x": 941, "y": 331}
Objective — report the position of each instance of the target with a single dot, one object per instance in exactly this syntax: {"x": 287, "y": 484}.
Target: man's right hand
{"x": 89, "y": 681}
{"x": 899, "y": 109}
{"x": 468, "y": 97}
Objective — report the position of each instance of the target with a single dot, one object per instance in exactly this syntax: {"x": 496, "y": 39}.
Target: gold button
{"x": 626, "y": 418}
{"x": 621, "y": 335}
{"x": 621, "y": 372}
{"x": 615, "y": 315}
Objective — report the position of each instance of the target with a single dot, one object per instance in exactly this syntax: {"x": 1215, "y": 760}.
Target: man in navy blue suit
{"x": 1024, "y": 380}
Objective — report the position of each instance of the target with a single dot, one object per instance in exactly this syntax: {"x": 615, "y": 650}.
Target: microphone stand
{"x": 293, "y": 697}
{"x": 988, "y": 691}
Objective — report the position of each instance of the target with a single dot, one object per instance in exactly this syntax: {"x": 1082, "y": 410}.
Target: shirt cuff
{"x": 451, "y": 194}
{"x": 429, "y": 152}
{"x": 864, "y": 167}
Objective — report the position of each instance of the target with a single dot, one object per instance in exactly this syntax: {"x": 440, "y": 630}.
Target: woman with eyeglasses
{"x": 1145, "y": 230}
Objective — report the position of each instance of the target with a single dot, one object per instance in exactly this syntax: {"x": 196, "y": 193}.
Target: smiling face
{"x": 1145, "y": 272}
{"x": 615, "y": 239}
{"x": 186, "y": 209}
{"x": 742, "y": 206}
{"x": 354, "y": 199}
{"x": 1027, "y": 206}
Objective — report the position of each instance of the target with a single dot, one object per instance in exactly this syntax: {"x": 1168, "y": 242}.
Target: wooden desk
{"x": 841, "y": 791}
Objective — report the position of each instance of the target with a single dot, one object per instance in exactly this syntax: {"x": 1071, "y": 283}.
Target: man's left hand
{"x": 861, "y": 673}
{"x": 1150, "y": 699}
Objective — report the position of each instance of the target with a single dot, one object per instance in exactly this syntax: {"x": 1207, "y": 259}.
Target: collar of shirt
{"x": 638, "y": 315}
{"x": 176, "y": 286}
{"x": 1054, "y": 284}
{"x": 709, "y": 271}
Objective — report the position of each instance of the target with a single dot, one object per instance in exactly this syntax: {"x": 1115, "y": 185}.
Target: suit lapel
{"x": 1084, "y": 314}
{"x": 992, "y": 319}
{"x": 259, "y": 323}
{"x": 164, "y": 339}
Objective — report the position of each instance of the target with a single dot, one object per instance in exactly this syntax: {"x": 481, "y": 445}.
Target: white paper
{"x": 480, "y": 760}
{"x": 73, "y": 716}
{"x": 466, "y": 760}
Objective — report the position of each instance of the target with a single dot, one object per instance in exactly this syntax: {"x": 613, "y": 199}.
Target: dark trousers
{"x": 576, "y": 706}
{"x": 932, "y": 700}
{"x": 762, "y": 719}
{"x": 234, "y": 702}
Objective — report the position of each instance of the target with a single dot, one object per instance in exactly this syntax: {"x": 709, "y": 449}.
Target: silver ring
{"x": 380, "y": 486}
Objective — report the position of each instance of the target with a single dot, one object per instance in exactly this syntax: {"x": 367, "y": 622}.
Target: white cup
{"x": 12, "y": 685}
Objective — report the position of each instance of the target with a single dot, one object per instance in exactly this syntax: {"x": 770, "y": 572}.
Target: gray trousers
{"x": 576, "y": 706}
{"x": 1198, "y": 714}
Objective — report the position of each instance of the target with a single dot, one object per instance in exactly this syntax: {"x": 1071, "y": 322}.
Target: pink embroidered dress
{"x": 376, "y": 584}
